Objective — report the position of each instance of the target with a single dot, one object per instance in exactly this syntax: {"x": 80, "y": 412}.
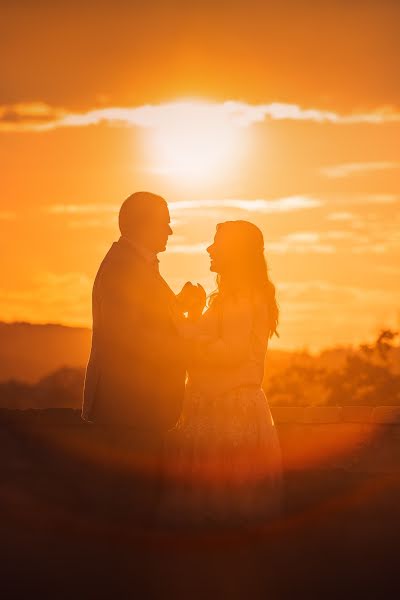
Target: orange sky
{"x": 290, "y": 112}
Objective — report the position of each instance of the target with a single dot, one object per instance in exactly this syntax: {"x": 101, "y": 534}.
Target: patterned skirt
{"x": 223, "y": 461}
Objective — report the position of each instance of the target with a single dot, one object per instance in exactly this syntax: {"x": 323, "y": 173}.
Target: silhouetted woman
{"x": 225, "y": 465}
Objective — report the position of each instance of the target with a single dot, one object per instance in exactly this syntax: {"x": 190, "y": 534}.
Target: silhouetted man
{"x": 135, "y": 377}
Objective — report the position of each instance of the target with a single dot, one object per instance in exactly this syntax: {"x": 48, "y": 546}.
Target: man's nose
{"x": 170, "y": 232}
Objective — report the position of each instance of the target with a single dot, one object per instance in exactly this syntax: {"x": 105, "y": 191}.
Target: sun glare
{"x": 195, "y": 140}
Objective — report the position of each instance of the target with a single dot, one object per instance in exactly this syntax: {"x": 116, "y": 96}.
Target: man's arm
{"x": 126, "y": 322}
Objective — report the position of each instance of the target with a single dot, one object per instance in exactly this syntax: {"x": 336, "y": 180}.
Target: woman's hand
{"x": 192, "y": 299}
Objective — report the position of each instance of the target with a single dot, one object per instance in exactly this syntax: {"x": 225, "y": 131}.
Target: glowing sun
{"x": 194, "y": 140}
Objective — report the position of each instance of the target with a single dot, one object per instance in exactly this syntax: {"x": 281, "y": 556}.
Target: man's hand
{"x": 192, "y": 299}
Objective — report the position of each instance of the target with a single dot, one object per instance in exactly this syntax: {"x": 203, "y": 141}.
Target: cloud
{"x": 33, "y": 116}
{"x": 348, "y": 206}
{"x": 371, "y": 235}
{"x": 86, "y": 216}
{"x": 346, "y": 169}
{"x": 314, "y": 294}
{"x": 304, "y": 237}
{"x": 341, "y": 216}
{"x": 93, "y": 223}
{"x": 381, "y": 198}
{"x": 180, "y": 207}
{"x": 316, "y": 303}
{"x": 342, "y": 235}
{"x": 41, "y": 117}
{"x": 326, "y": 242}
{"x": 278, "y": 205}
{"x": 294, "y": 112}
{"x": 81, "y": 209}
{"x": 371, "y": 249}
{"x": 300, "y": 242}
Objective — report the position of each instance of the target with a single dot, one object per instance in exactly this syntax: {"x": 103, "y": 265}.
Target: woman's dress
{"x": 224, "y": 462}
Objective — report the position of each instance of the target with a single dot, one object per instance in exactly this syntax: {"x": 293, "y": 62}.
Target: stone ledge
{"x": 322, "y": 414}
{"x": 386, "y": 415}
{"x": 356, "y": 439}
{"x": 282, "y": 415}
{"x": 287, "y": 414}
{"x": 356, "y": 414}
{"x": 46, "y": 416}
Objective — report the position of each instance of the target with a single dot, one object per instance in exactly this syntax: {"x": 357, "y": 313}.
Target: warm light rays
{"x": 321, "y": 184}
{"x": 193, "y": 140}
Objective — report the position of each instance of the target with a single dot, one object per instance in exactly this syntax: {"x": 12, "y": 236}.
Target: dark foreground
{"x": 338, "y": 538}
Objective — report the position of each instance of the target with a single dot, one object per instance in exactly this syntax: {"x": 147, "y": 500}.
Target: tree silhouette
{"x": 368, "y": 376}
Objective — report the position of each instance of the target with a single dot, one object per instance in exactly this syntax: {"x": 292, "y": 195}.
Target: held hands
{"x": 192, "y": 299}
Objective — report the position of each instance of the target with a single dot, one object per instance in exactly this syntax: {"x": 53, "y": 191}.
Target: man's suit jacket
{"x": 136, "y": 370}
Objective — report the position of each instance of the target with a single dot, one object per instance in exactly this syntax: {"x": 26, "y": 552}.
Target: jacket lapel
{"x": 157, "y": 284}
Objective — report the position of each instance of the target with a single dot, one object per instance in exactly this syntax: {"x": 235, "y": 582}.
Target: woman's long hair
{"x": 245, "y": 246}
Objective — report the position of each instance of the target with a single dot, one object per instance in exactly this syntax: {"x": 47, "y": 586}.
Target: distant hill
{"x": 29, "y": 352}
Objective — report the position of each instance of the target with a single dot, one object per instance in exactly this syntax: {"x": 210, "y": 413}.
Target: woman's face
{"x": 220, "y": 253}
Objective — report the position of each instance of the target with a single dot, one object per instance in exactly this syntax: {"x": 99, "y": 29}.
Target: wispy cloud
{"x": 285, "y": 248}
{"x": 347, "y": 169}
{"x": 313, "y": 294}
{"x": 297, "y": 242}
{"x": 81, "y": 209}
{"x": 301, "y": 242}
{"x": 33, "y": 116}
{"x": 104, "y": 223}
{"x": 347, "y": 206}
{"x": 382, "y": 198}
{"x": 339, "y": 234}
{"x": 86, "y": 216}
{"x": 42, "y": 117}
{"x": 278, "y": 205}
{"x": 341, "y": 216}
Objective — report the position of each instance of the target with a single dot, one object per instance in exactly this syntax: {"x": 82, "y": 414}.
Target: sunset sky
{"x": 283, "y": 113}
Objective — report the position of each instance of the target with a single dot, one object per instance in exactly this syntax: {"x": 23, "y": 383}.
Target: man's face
{"x": 156, "y": 230}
